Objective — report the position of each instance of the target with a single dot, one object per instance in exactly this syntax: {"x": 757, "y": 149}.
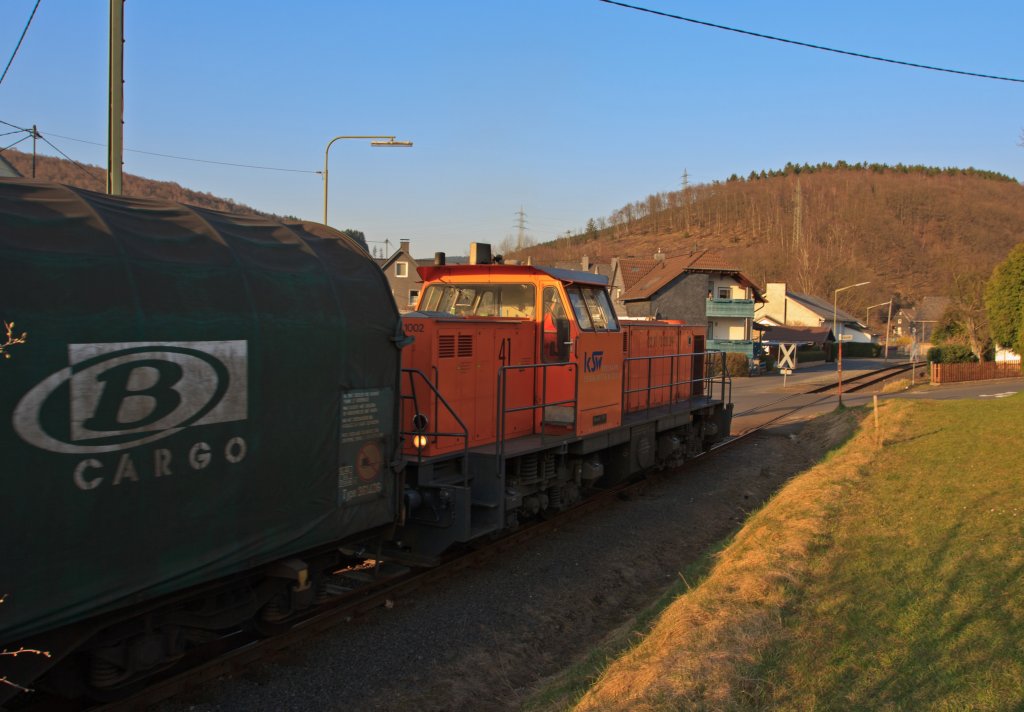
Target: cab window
{"x": 592, "y": 308}
{"x": 491, "y": 300}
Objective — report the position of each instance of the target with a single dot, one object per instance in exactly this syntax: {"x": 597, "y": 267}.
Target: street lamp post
{"x": 867, "y": 316}
{"x": 374, "y": 141}
{"x": 839, "y": 338}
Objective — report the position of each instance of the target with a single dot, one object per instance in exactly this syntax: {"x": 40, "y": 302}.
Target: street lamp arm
{"x": 839, "y": 341}
{"x": 376, "y": 141}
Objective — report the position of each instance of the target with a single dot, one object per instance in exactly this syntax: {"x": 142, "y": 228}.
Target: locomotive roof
{"x": 432, "y": 273}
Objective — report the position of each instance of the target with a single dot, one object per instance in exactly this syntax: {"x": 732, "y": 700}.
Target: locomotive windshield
{"x": 593, "y": 309}
{"x": 502, "y": 300}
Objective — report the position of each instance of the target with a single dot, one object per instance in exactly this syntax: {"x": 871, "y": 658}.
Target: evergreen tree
{"x": 359, "y": 237}
{"x": 1004, "y": 301}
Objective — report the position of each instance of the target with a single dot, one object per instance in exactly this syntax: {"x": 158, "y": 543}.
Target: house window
{"x": 724, "y": 293}
{"x": 401, "y": 269}
{"x": 414, "y": 294}
{"x": 711, "y": 330}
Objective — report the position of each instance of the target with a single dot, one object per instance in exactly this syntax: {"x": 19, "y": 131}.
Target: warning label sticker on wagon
{"x": 361, "y": 413}
{"x": 365, "y": 418}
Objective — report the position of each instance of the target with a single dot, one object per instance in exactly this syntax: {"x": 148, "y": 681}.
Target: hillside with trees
{"x": 58, "y": 170}
{"x": 913, "y": 231}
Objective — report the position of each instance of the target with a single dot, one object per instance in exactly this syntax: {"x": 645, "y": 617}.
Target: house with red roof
{"x": 701, "y": 287}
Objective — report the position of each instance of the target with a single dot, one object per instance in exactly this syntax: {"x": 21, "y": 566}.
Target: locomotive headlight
{"x": 419, "y": 422}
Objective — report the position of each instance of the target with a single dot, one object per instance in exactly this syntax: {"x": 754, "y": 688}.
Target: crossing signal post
{"x": 787, "y": 360}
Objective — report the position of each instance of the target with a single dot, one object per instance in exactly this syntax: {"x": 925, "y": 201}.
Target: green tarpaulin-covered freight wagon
{"x": 200, "y": 394}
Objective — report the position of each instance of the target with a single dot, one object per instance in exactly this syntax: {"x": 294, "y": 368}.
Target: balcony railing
{"x": 742, "y": 308}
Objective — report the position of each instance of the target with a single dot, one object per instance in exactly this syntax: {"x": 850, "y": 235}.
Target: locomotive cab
{"x": 518, "y": 350}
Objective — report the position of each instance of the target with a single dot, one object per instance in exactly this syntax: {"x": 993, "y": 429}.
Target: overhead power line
{"x": 194, "y": 160}
{"x": 165, "y": 155}
{"x": 13, "y": 126}
{"x": 23, "y": 138}
{"x": 809, "y": 45}
{"x": 80, "y": 166}
{"x": 20, "y": 40}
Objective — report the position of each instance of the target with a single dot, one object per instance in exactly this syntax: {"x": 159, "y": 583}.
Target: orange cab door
{"x": 556, "y": 377}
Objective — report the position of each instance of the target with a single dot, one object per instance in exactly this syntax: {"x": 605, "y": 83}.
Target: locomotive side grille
{"x": 465, "y": 345}
{"x": 625, "y": 342}
{"x": 446, "y": 346}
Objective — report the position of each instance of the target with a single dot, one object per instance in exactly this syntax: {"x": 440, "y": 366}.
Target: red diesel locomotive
{"x": 521, "y": 389}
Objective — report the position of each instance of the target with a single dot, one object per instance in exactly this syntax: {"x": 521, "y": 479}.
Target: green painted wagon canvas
{"x": 200, "y": 394}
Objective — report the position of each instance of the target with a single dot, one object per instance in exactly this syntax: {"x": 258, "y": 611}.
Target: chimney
{"x": 775, "y": 296}
{"x": 403, "y": 246}
{"x": 585, "y": 263}
{"x": 659, "y": 256}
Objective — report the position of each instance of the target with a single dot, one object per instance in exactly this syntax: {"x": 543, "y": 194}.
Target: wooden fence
{"x": 983, "y": 371}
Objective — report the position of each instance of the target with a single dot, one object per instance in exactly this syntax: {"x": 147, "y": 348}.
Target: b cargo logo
{"x": 114, "y": 397}
{"x": 592, "y": 362}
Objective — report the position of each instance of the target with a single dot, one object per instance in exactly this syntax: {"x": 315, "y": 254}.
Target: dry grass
{"x": 704, "y": 649}
{"x": 897, "y": 386}
{"x": 888, "y": 577}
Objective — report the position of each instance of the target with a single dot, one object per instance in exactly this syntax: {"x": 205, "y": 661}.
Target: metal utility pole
{"x": 867, "y": 320}
{"x": 35, "y": 135}
{"x": 839, "y": 337}
{"x": 115, "y": 119}
{"x": 888, "y": 328}
{"x": 521, "y": 225}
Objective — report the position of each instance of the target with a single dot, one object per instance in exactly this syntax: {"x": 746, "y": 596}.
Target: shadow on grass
{"x": 956, "y": 645}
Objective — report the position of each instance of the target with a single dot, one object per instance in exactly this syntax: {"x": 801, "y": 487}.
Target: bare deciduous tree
{"x": 12, "y": 340}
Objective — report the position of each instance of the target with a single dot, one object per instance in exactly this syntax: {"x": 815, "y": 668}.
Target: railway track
{"x": 381, "y": 585}
{"x": 815, "y": 395}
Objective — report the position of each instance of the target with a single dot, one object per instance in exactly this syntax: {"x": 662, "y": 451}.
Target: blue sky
{"x": 567, "y": 108}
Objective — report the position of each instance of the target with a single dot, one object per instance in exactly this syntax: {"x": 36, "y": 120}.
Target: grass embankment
{"x": 886, "y": 577}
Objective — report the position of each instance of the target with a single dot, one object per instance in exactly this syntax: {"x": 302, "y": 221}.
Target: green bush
{"x": 852, "y": 350}
{"x": 738, "y": 364}
{"x": 805, "y": 355}
{"x": 951, "y": 353}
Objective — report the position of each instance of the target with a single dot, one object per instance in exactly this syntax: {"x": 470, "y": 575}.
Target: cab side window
{"x": 593, "y": 309}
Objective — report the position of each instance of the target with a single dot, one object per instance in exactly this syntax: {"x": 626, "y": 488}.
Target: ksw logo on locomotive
{"x": 111, "y": 398}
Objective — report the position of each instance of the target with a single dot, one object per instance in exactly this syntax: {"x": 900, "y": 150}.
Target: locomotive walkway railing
{"x": 422, "y": 431}
{"x": 504, "y": 411}
{"x": 711, "y": 363}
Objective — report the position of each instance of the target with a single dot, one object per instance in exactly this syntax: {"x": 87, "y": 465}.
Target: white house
{"x": 784, "y": 307}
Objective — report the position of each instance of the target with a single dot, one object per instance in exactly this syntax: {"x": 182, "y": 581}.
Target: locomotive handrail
{"x": 435, "y": 434}
{"x": 503, "y": 411}
{"x": 706, "y": 379}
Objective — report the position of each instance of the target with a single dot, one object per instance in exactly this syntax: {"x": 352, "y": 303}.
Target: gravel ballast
{"x": 486, "y": 638}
